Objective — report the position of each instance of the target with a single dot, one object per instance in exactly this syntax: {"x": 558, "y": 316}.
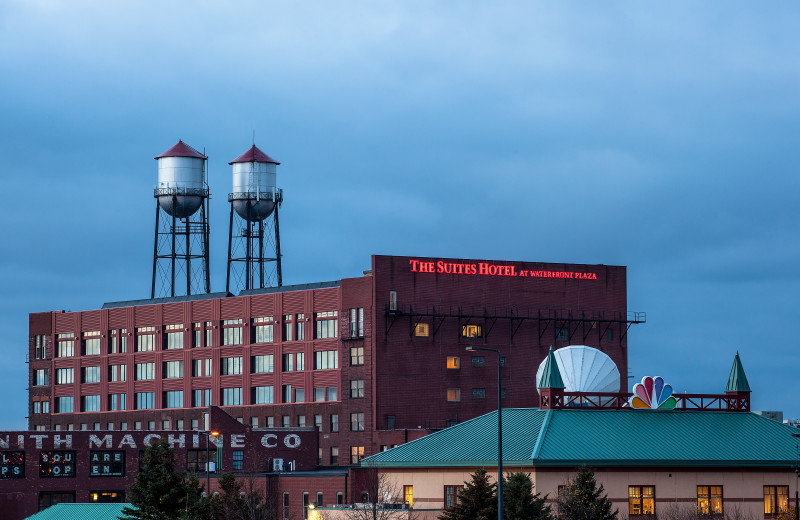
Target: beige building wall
{"x": 742, "y": 489}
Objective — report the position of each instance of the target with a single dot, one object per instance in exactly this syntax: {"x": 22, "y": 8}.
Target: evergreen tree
{"x": 161, "y": 493}
{"x": 476, "y": 501}
{"x": 583, "y": 500}
{"x": 519, "y": 502}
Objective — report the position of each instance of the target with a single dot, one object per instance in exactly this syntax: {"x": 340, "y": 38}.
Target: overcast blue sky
{"x": 658, "y": 135}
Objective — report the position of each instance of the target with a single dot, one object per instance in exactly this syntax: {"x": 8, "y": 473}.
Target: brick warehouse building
{"x": 372, "y": 361}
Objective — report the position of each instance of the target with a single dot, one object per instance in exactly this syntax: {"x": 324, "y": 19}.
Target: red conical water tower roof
{"x": 254, "y": 155}
{"x": 182, "y": 150}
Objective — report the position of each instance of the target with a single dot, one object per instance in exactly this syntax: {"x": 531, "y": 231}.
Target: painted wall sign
{"x": 142, "y": 440}
{"x": 491, "y": 269}
{"x": 56, "y": 464}
{"x": 12, "y": 464}
{"x": 106, "y": 463}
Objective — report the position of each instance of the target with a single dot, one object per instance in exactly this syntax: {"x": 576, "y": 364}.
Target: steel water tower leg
{"x": 172, "y": 232}
{"x": 230, "y": 239}
{"x": 205, "y": 209}
{"x": 248, "y": 257}
{"x": 260, "y": 254}
{"x": 278, "y": 248}
{"x": 155, "y": 254}
{"x": 188, "y": 258}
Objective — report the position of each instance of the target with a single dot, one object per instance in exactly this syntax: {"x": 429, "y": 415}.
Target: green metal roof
{"x": 737, "y": 381}
{"x": 551, "y": 375}
{"x": 533, "y": 437}
{"x": 80, "y": 512}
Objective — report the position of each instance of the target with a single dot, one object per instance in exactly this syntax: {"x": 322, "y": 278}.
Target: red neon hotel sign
{"x": 490, "y": 269}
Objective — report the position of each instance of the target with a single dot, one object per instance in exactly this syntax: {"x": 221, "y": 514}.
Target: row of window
{"x": 454, "y": 394}
{"x": 326, "y": 326}
{"x": 642, "y": 501}
{"x": 51, "y": 498}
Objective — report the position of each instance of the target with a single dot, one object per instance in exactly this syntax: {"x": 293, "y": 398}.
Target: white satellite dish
{"x": 584, "y": 369}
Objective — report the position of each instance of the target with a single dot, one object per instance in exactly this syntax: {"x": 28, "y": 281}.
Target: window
{"x": 199, "y": 329}
{"x": 305, "y": 505}
{"x": 332, "y": 393}
{"x": 173, "y": 369}
{"x": 421, "y": 330}
{"x": 318, "y": 422}
{"x": 116, "y": 373}
{"x": 319, "y": 394}
{"x": 300, "y": 361}
{"x": 356, "y": 454}
{"x": 173, "y": 399}
{"x": 562, "y": 334}
{"x": 301, "y": 420}
{"x": 145, "y": 339}
{"x": 51, "y": 498}
{"x": 232, "y": 332}
{"x": 287, "y": 393}
{"x": 453, "y": 395}
{"x": 357, "y": 422}
{"x": 357, "y": 389}
{"x": 326, "y": 324}
{"x": 610, "y": 335}
{"x": 201, "y": 398}
{"x": 478, "y": 361}
{"x": 301, "y": 326}
{"x": 145, "y": 371}
{"x": 196, "y": 459}
{"x": 201, "y": 367}
{"x": 90, "y": 346}
{"x": 299, "y": 395}
{"x": 41, "y": 407}
{"x": 263, "y": 395}
{"x": 408, "y": 495}
{"x": 471, "y": 331}
{"x": 238, "y": 459}
{"x": 451, "y": 495}
{"x": 641, "y": 500}
{"x": 263, "y": 330}
{"x": 118, "y": 341}
{"x": 145, "y": 400}
{"x": 90, "y": 403}
{"x": 453, "y": 362}
{"x": 709, "y": 501}
{"x": 479, "y": 393}
{"x": 64, "y": 404}
{"x": 230, "y": 366}
{"x": 288, "y": 327}
{"x": 65, "y": 376}
{"x": 356, "y": 356}
{"x": 357, "y": 323}
{"x": 319, "y": 498}
{"x": 174, "y": 339}
{"x": 334, "y": 422}
{"x": 90, "y": 374}
{"x": 286, "y": 421}
{"x": 40, "y": 377}
{"x": 116, "y": 402}
{"x": 776, "y": 500}
{"x": 40, "y": 350}
{"x": 231, "y": 396}
{"x": 288, "y": 363}
{"x": 286, "y": 506}
{"x": 107, "y": 496}
{"x": 262, "y": 364}
{"x": 392, "y": 300}
{"x": 325, "y": 360}
{"x": 66, "y": 345}
{"x": 334, "y": 455}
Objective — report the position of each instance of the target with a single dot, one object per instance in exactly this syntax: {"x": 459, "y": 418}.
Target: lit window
{"x": 421, "y": 329}
{"x": 453, "y": 395}
{"x": 453, "y": 362}
{"x": 641, "y": 500}
{"x": 471, "y": 331}
{"x": 408, "y": 495}
{"x": 709, "y": 501}
{"x": 356, "y": 454}
{"x": 776, "y": 500}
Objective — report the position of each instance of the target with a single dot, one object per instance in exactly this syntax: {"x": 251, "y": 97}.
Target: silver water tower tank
{"x": 254, "y": 175}
{"x": 181, "y": 180}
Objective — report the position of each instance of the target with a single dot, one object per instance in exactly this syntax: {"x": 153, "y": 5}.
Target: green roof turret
{"x": 737, "y": 381}
{"x": 551, "y": 376}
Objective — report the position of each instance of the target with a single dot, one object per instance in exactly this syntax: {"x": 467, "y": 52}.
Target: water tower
{"x": 180, "y": 253}
{"x": 254, "y": 246}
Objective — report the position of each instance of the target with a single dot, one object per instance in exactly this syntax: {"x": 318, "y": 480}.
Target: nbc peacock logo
{"x": 653, "y": 394}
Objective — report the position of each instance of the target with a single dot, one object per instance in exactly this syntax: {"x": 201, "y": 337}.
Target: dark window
{"x": 238, "y": 459}
{"x": 357, "y": 422}
{"x": 334, "y": 422}
{"x": 356, "y": 389}
{"x": 51, "y": 498}
{"x": 196, "y": 459}
{"x": 479, "y": 393}
{"x": 451, "y": 495}
{"x": 334, "y": 455}
{"x": 326, "y": 360}
{"x": 478, "y": 361}
{"x": 562, "y": 334}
